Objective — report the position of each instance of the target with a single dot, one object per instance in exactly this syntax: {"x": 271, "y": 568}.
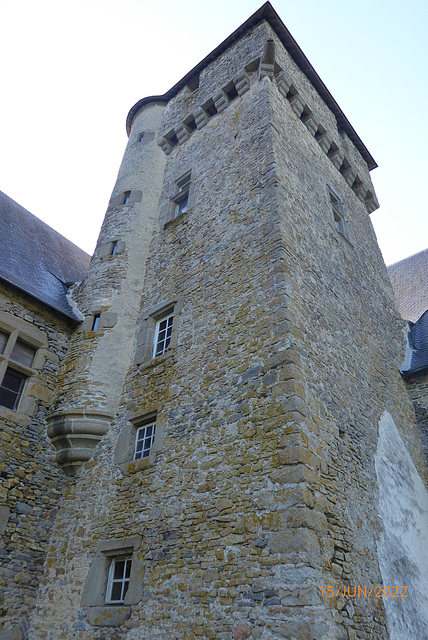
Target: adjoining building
{"x": 234, "y": 452}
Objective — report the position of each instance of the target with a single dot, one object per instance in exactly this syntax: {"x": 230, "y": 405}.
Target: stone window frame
{"x": 124, "y": 455}
{"x": 144, "y": 354}
{"x": 18, "y": 329}
{"x": 183, "y": 192}
{"x": 94, "y": 599}
{"x": 134, "y": 195}
{"x": 340, "y": 222}
{"x": 107, "y": 320}
{"x": 110, "y": 250}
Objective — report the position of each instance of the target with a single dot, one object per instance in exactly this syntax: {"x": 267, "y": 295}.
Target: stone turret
{"x": 91, "y": 379}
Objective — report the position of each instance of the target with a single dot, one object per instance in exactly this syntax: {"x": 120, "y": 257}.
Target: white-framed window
{"x": 338, "y": 215}
{"x": 163, "y": 331}
{"x": 118, "y": 579}
{"x": 144, "y": 439}
{"x": 181, "y": 198}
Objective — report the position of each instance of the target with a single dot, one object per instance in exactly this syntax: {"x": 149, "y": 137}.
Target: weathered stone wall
{"x": 285, "y": 353}
{"x": 30, "y": 480}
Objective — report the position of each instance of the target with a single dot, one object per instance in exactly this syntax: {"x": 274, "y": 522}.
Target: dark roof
{"x": 268, "y": 13}
{"x": 409, "y": 279}
{"x": 37, "y": 259}
{"x": 418, "y": 342}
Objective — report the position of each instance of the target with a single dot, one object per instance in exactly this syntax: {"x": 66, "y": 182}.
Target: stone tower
{"x": 230, "y": 414}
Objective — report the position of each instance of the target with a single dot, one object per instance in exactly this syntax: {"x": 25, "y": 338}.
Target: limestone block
{"x": 4, "y": 517}
{"x": 337, "y": 158}
{"x": 361, "y": 191}
{"x": 311, "y": 123}
{"x": 221, "y": 101}
{"x": 182, "y": 132}
{"x": 113, "y": 616}
{"x": 165, "y": 146}
{"x": 266, "y": 70}
{"x": 349, "y": 174}
{"x": 201, "y": 117}
{"x": 371, "y": 203}
{"x": 297, "y": 104}
{"x": 325, "y": 141}
{"x": 242, "y": 83}
{"x": 294, "y": 540}
{"x": 283, "y": 84}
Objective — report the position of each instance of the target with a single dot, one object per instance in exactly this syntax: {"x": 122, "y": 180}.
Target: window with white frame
{"x": 163, "y": 331}
{"x": 339, "y": 218}
{"x": 118, "y": 579}
{"x": 144, "y": 439}
{"x": 181, "y": 198}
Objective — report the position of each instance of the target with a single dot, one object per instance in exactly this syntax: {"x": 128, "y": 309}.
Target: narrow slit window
{"x": 126, "y": 197}
{"x": 118, "y": 580}
{"x": 144, "y": 439}
{"x": 96, "y": 321}
{"x": 163, "y": 333}
{"x": 113, "y": 249}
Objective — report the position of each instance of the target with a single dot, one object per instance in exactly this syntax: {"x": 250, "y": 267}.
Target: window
{"x": 144, "y": 439}
{"x": 11, "y": 388}
{"x": 339, "y": 220}
{"x": 23, "y": 353}
{"x": 163, "y": 332}
{"x": 118, "y": 580}
{"x": 113, "y": 249}
{"x": 126, "y": 197}
{"x": 17, "y": 360}
{"x": 96, "y": 321}
{"x": 141, "y": 137}
{"x": 181, "y": 199}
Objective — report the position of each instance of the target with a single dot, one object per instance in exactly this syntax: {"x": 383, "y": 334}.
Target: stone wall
{"x": 31, "y": 482}
{"x": 261, "y": 486}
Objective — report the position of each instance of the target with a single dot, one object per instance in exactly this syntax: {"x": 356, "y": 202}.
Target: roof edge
{"x": 268, "y": 13}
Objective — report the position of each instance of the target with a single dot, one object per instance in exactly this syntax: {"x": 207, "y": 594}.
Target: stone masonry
{"x": 241, "y": 212}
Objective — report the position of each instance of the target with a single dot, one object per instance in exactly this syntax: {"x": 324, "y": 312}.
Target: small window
{"x": 141, "y": 137}
{"x": 118, "y": 580}
{"x": 144, "y": 439}
{"x": 23, "y": 353}
{"x": 113, "y": 249}
{"x": 163, "y": 332}
{"x": 96, "y": 321}
{"x": 126, "y": 197}
{"x": 181, "y": 198}
{"x": 11, "y": 389}
{"x": 339, "y": 220}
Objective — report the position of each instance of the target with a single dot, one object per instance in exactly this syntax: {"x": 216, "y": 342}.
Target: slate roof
{"x": 418, "y": 341}
{"x": 37, "y": 259}
{"x": 409, "y": 279}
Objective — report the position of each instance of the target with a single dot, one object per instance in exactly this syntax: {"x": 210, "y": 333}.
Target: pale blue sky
{"x": 72, "y": 71}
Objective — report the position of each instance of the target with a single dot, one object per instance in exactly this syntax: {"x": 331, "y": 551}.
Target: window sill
{"x": 134, "y": 466}
{"x": 154, "y": 362}
{"x": 108, "y": 616}
{"x": 176, "y": 220}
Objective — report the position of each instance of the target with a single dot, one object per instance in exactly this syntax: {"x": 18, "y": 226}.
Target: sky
{"x": 72, "y": 70}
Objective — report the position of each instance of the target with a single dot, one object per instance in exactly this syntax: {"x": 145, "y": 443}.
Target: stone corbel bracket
{"x": 75, "y": 433}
